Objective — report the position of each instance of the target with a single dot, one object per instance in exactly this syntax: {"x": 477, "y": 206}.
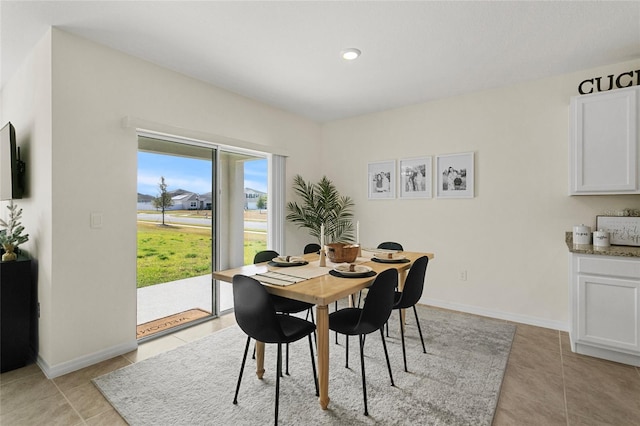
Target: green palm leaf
{"x": 321, "y": 203}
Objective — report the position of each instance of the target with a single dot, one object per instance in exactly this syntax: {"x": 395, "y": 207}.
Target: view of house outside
{"x": 181, "y": 248}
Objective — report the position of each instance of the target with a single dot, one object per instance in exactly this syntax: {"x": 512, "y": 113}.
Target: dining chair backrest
{"x": 390, "y": 245}
{"x": 311, "y": 248}
{"x": 414, "y": 283}
{"x": 265, "y": 256}
{"x": 379, "y": 302}
{"x": 254, "y": 310}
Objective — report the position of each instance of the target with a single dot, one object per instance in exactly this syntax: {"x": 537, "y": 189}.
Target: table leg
{"x": 322, "y": 326}
{"x": 260, "y": 359}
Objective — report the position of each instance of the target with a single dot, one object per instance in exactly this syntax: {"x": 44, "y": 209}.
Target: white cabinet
{"x": 605, "y": 307}
{"x": 603, "y": 139}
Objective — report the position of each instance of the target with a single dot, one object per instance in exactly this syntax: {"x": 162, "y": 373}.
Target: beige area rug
{"x": 457, "y": 382}
{"x": 152, "y": 327}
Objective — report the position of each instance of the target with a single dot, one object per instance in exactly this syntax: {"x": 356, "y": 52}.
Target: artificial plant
{"x": 11, "y": 236}
{"x": 322, "y": 204}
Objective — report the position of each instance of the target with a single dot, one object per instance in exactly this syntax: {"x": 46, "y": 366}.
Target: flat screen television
{"x": 11, "y": 168}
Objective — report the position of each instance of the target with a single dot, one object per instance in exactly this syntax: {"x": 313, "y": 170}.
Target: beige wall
{"x": 26, "y": 102}
{"x": 68, "y": 101}
{"x": 88, "y": 163}
{"x": 510, "y": 237}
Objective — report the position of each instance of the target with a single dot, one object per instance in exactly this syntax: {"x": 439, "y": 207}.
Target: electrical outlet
{"x": 463, "y": 275}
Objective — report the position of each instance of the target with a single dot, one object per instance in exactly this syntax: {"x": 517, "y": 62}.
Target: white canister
{"x": 581, "y": 234}
{"x": 601, "y": 238}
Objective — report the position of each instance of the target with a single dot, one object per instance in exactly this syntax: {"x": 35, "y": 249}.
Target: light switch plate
{"x": 96, "y": 220}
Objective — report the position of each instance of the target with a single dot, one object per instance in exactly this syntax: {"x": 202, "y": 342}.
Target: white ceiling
{"x": 286, "y": 54}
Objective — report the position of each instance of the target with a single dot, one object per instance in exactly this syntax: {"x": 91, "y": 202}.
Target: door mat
{"x": 162, "y": 324}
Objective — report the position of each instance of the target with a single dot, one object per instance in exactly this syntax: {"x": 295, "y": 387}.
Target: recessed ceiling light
{"x": 350, "y": 54}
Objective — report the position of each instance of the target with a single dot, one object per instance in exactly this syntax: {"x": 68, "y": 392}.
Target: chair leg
{"x": 313, "y": 365}
{"x": 313, "y": 320}
{"x": 404, "y": 351}
{"x": 364, "y": 381}
{"x": 278, "y": 374}
{"x": 287, "y": 357}
{"x": 336, "y": 308}
{"x": 346, "y": 351}
{"x": 424, "y": 350}
{"x": 244, "y": 359}
{"x": 386, "y": 355}
{"x": 287, "y": 363}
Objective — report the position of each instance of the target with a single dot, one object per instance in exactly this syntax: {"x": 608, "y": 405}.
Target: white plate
{"x": 389, "y": 256}
{"x": 291, "y": 260}
{"x": 343, "y": 268}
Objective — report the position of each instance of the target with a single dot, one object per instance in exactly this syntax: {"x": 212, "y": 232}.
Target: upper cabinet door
{"x": 604, "y": 143}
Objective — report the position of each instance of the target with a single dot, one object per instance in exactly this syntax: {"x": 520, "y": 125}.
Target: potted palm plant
{"x": 322, "y": 204}
{"x": 11, "y": 236}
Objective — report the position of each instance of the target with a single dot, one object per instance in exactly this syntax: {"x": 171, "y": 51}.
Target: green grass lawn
{"x": 253, "y": 243}
{"x": 174, "y": 252}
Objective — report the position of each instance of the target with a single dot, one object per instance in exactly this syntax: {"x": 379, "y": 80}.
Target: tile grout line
{"x": 131, "y": 361}
{"x": 69, "y": 402}
{"x": 564, "y": 384}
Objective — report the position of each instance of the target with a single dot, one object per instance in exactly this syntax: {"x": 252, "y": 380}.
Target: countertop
{"x": 623, "y": 251}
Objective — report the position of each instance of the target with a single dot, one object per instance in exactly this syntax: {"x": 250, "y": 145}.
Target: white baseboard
{"x": 522, "y": 319}
{"x": 85, "y": 361}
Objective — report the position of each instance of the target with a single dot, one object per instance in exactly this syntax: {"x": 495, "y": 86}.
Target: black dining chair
{"x": 283, "y": 304}
{"x": 387, "y": 245}
{"x": 390, "y": 245}
{"x": 311, "y": 248}
{"x": 409, "y": 297}
{"x": 257, "y": 317}
{"x": 265, "y": 256}
{"x": 373, "y": 315}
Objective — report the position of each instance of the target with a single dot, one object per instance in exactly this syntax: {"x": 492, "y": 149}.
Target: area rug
{"x": 457, "y": 382}
{"x": 162, "y": 324}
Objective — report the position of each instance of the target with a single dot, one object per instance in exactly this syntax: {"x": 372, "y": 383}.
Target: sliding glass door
{"x": 243, "y": 213}
{"x": 176, "y": 234}
{"x": 200, "y": 207}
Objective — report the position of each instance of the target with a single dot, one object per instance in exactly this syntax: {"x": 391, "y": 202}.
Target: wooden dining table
{"x": 322, "y": 291}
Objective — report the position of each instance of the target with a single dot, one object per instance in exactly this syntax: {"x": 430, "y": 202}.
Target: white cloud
{"x": 148, "y": 183}
{"x": 257, "y": 185}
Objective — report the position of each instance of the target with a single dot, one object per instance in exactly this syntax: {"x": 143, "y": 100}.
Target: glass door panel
{"x": 176, "y": 229}
{"x": 243, "y": 213}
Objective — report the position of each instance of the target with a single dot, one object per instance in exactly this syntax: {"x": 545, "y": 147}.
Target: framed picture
{"x": 455, "y": 175}
{"x": 382, "y": 180}
{"x": 416, "y": 177}
{"x": 623, "y": 230}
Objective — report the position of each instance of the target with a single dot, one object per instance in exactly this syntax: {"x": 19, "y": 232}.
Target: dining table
{"x": 320, "y": 287}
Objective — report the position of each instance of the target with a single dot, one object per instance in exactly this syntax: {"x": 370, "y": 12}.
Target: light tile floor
{"x": 544, "y": 384}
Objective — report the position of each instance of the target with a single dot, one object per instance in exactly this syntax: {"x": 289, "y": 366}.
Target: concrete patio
{"x": 161, "y": 300}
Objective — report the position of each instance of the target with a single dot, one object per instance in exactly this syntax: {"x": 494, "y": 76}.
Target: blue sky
{"x": 255, "y": 174}
{"x": 190, "y": 174}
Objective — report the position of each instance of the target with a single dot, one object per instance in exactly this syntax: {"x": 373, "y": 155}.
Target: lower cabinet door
{"x": 608, "y": 312}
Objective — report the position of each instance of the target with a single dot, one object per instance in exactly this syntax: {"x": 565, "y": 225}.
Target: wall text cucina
{"x": 603, "y": 84}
